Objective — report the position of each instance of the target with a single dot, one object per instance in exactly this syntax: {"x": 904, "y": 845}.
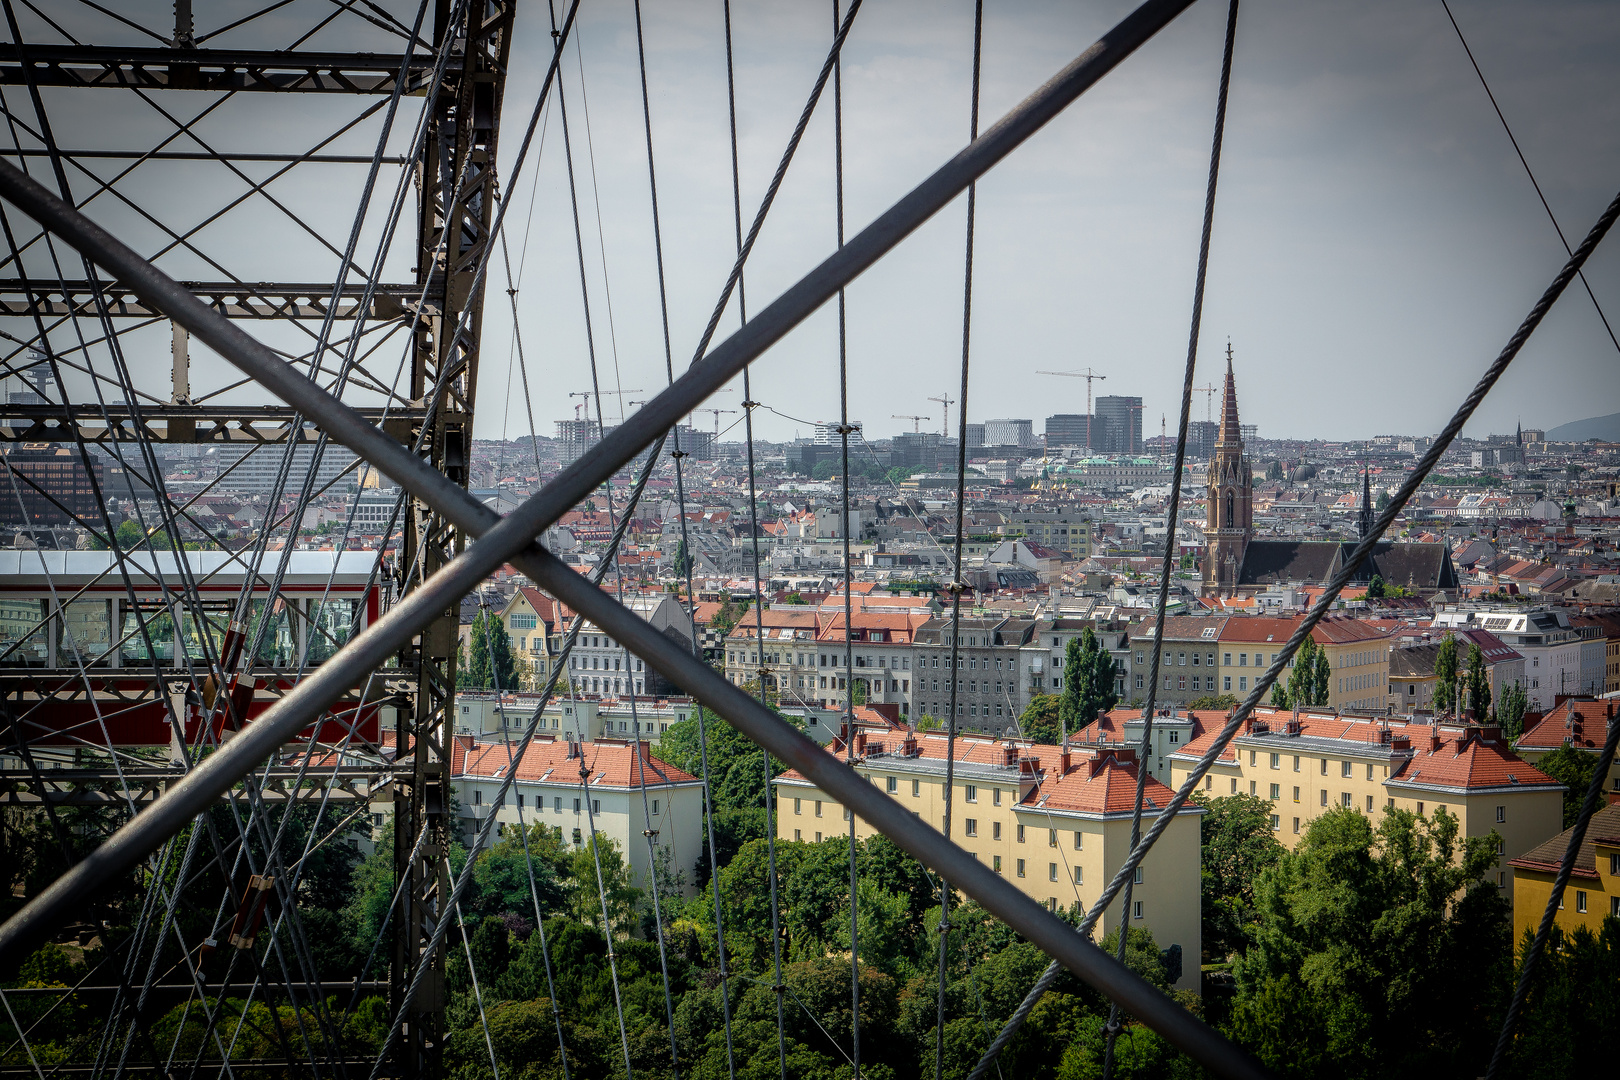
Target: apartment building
{"x": 1412, "y": 678}
{"x": 1357, "y": 651}
{"x": 1065, "y": 530}
{"x": 1546, "y": 639}
{"x": 485, "y": 714}
{"x": 1303, "y": 763}
{"x": 535, "y": 624}
{"x": 989, "y": 695}
{"x": 1045, "y": 651}
{"x": 1187, "y": 666}
{"x": 600, "y": 665}
{"x": 804, "y": 656}
{"x": 1592, "y": 893}
{"x": 1055, "y": 824}
{"x": 631, "y": 795}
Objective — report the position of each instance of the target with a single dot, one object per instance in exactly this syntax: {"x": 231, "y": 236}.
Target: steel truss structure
{"x": 426, "y": 452}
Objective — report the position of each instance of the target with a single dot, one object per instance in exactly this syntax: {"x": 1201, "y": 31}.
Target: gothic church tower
{"x": 1230, "y": 519}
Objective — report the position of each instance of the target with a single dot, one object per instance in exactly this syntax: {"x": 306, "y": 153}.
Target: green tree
{"x": 1274, "y": 470}
{"x": 1511, "y": 709}
{"x": 794, "y": 598}
{"x": 1322, "y": 684}
{"x": 1214, "y": 702}
{"x": 588, "y": 893}
{"x": 823, "y": 470}
{"x": 490, "y": 654}
{"x": 1479, "y": 683}
{"x": 1236, "y": 843}
{"x": 1574, "y": 990}
{"x": 1573, "y": 768}
{"x": 1445, "y": 674}
{"x": 1375, "y": 587}
{"x": 1088, "y": 682}
{"x": 1040, "y": 720}
{"x": 1358, "y": 933}
{"x": 1310, "y": 678}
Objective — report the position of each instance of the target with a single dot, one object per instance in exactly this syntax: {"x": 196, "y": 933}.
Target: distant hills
{"x": 1606, "y": 428}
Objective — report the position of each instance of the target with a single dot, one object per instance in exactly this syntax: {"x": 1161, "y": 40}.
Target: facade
{"x": 571, "y": 787}
{"x": 990, "y": 696}
{"x": 1019, "y": 433}
{"x": 485, "y": 714}
{"x": 1071, "y": 429}
{"x": 805, "y": 662}
{"x": 260, "y": 470}
{"x": 1122, "y": 417}
{"x": 1188, "y": 667}
{"x": 1411, "y": 669}
{"x": 1357, "y": 651}
{"x": 52, "y": 487}
{"x": 1307, "y": 762}
{"x": 600, "y": 665}
{"x": 1056, "y": 825}
{"x": 1064, "y": 530}
{"x": 1592, "y": 893}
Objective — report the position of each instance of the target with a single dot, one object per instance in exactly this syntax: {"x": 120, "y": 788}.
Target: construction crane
{"x": 1209, "y": 393}
{"x": 585, "y": 396}
{"x": 945, "y": 425}
{"x": 716, "y": 413}
{"x": 1087, "y": 375}
{"x": 916, "y": 421}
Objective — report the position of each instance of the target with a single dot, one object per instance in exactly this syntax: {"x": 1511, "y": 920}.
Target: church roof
{"x": 1230, "y": 430}
{"x": 1421, "y": 566}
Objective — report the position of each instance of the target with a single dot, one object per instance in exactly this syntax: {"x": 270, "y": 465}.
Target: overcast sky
{"x": 1375, "y": 241}
{"x": 1375, "y": 244}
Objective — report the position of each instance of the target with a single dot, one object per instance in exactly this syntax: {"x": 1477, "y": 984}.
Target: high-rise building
{"x": 1123, "y": 417}
{"x": 259, "y": 472}
{"x": 1010, "y": 433}
{"x": 827, "y": 433}
{"x": 577, "y": 436}
{"x": 32, "y": 382}
{"x": 699, "y": 444}
{"x": 1201, "y": 436}
{"x": 1075, "y": 429}
{"x": 975, "y": 435}
{"x": 52, "y": 487}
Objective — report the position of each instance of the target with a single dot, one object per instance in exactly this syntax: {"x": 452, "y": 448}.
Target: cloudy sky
{"x": 1376, "y": 240}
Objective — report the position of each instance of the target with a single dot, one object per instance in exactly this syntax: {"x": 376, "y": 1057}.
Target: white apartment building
{"x": 1548, "y": 642}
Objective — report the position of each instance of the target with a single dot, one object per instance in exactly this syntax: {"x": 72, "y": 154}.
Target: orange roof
{"x": 610, "y": 763}
{"x": 1560, "y": 724}
{"x": 1330, "y": 631}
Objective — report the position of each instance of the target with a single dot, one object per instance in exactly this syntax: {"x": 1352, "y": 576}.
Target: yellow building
{"x": 1593, "y": 891}
{"x": 1056, "y": 825}
{"x": 1305, "y": 763}
{"x": 1358, "y": 653}
{"x": 535, "y": 623}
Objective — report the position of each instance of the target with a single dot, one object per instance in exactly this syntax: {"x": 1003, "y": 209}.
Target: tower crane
{"x": 1087, "y": 375}
{"x": 945, "y": 424}
{"x": 716, "y": 413}
{"x": 916, "y": 421}
{"x": 1209, "y": 393}
{"x": 585, "y": 396}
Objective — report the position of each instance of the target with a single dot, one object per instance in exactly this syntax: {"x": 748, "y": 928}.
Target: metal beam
{"x": 250, "y": 300}
{"x": 122, "y": 67}
{"x": 232, "y": 425}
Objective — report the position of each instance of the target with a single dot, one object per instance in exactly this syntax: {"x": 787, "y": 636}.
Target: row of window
{"x": 600, "y": 663}
{"x": 556, "y": 801}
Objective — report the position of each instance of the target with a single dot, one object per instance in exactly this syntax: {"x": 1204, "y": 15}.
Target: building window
{"x": 1020, "y": 834}
{"x": 798, "y": 806}
{"x": 1137, "y": 880}
{"x": 1501, "y": 813}
{"x": 916, "y": 788}
{"x": 970, "y": 792}
{"x": 818, "y": 808}
{"x": 1276, "y": 761}
{"x": 1580, "y": 901}
{"x": 1369, "y": 804}
{"x": 1078, "y": 878}
{"x": 1420, "y": 809}
{"x": 1079, "y": 840}
{"x": 995, "y": 830}
{"x": 1209, "y": 782}
{"x": 1276, "y": 791}
{"x": 1226, "y": 682}
{"x": 971, "y": 826}
{"x": 478, "y": 798}
{"x": 576, "y": 806}
{"x": 1324, "y": 796}
{"x": 1051, "y": 838}
{"x": 1252, "y": 790}
{"x": 1276, "y": 823}
{"x": 1051, "y": 873}
{"x": 1020, "y": 867}
{"x": 995, "y": 863}
{"x": 995, "y": 796}
{"x": 1296, "y": 826}
{"x": 1234, "y": 785}
{"x": 1344, "y": 798}
{"x": 1344, "y": 769}
{"x": 1136, "y": 909}
{"x": 798, "y": 835}
{"x": 891, "y": 784}
{"x": 1296, "y": 763}
{"x": 556, "y": 804}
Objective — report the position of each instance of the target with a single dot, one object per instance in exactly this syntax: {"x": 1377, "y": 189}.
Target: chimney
{"x": 860, "y": 744}
{"x": 1065, "y": 762}
{"x": 1009, "y": 755}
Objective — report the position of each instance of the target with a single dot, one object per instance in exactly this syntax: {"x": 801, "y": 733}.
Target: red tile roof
{"x": 1559, "y": 726}
{"x": 611, "y": 763}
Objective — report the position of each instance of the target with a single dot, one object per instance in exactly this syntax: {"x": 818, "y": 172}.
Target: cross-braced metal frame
{"x": 435, "y": 483}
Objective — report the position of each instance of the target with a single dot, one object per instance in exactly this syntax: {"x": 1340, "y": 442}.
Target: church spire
{"x": 1230, "y": 431}
{"x": 1365, "y": 524}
